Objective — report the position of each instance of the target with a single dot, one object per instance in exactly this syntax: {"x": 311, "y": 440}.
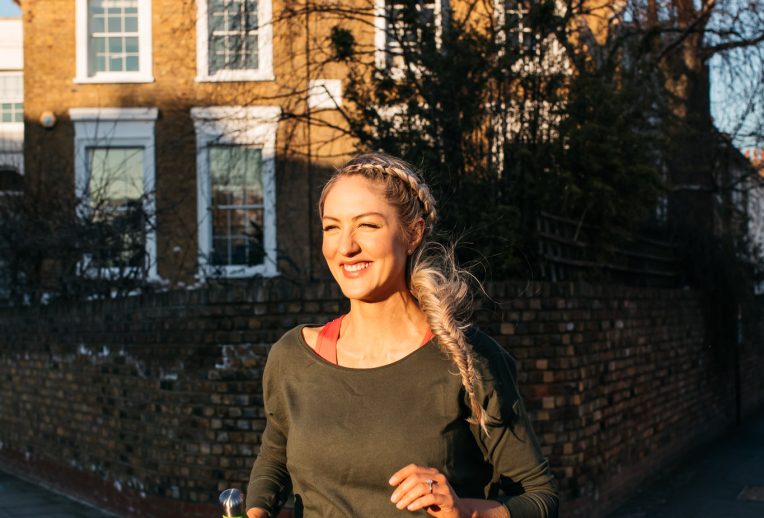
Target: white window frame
{"x": 145, "y": 59}
{"x": 240, "y": 126}
{"x": 116, "y": 127}
{"x": 555, "y": 60}
{"x": 380, "y": 33}
{"x": 264, "y": 72}
{"x": 12, "y": 133}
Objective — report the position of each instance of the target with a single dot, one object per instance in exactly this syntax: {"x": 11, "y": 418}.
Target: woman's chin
{"x": 354, "y": 293}
{"x": 364, "y": 293}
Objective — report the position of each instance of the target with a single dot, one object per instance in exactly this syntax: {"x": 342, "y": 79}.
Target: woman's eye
{"x": 369, "y": 225}
{"x": 329, "y": 227}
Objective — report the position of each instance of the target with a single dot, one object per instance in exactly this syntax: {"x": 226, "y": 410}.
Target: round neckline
{"x": 319, "y": 359}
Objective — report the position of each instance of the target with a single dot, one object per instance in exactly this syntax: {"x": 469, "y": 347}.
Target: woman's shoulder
{"x": 310, "y": 334}
{"x": 295, "y": 340}
{"x": 289, "y": 343}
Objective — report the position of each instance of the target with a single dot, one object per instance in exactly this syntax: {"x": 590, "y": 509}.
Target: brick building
{"x": 216, "y": 120}
{"x": 181, "y": 110}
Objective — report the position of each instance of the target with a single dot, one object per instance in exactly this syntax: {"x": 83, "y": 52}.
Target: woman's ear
{"x": 417, "y": 234}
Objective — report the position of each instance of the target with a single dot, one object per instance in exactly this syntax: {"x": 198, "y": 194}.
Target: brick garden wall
{"x": 150, "y": 405}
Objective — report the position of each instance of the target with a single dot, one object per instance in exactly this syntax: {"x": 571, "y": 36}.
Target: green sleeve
{"x": 269, "y": 482}
{"x": 520, "y": 469}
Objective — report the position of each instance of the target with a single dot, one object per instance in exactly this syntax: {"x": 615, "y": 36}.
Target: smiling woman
{"x": 400, "y": 406}
{"x": 364, "y": 245}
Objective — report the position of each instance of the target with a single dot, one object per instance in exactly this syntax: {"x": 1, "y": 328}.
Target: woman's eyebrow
{"x": 359, "y": 216}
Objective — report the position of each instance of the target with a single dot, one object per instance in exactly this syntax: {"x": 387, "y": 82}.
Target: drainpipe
{"x": 309, "y": 154}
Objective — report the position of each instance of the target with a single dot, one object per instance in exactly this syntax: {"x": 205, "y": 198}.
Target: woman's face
{"x": 363, "y": 241}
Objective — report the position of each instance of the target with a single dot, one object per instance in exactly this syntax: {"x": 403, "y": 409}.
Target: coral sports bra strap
{"x": 326, "y": 344}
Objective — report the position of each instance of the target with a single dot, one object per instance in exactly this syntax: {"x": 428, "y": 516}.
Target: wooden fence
{"x": 566, "y": 248}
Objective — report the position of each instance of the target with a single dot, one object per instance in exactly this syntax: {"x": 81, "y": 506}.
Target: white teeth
{"x": 356, "y": 267}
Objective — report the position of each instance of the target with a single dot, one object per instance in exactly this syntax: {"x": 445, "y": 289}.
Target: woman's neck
{"x": 377, "y": 333}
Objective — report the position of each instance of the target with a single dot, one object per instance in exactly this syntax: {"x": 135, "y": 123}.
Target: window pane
{"x": 232, "y": 28}
{"x": 216, "y": 21}
{"x": 252, "y": 19}
{"x": 236, "y": 204}
{"x": 114, "y": 23}
{"x": 131, "y": 24}
{"x": 131, "y": 45}
{"x": 116, "y": 174}
{"x": 219, "y": 253}
{"x": 131, "y": 64}
{"x": 97, "y": 24}
{"x": 116, "y": 64}
{"x": 116, "y": 201}
{"x": 12, "y": 86}
{"x": 241, "y": 243}
{"x": 252, "y": 54}
{"x": 115, "y": 45}
{"x": 408, "y": 23}
{"x": 113, "y": 35}
{"x": 233, "y": 20}
{"x": 217, "y": 54}
{"x": 234, "y": 53}
{"x": 99, "y": 45}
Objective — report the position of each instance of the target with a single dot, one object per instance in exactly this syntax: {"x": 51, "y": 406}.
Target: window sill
{"x": 114, "y": 79}
{"x": 113, "y": 114}
{"x": 238, "y": 76}
{"x": 236, "y": 272}
{"x": 113, "y": 274}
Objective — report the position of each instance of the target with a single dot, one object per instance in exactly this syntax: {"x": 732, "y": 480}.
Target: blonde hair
{"x": 434, "y": 279}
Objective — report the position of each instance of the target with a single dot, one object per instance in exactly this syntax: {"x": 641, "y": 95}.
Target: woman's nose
{"x": 348, "y": 244}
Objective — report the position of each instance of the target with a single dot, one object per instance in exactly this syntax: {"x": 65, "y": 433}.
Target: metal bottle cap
{"x": 233, "y": 503}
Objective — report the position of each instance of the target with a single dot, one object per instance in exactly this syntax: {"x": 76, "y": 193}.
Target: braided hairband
{"x": 421, "y": 190}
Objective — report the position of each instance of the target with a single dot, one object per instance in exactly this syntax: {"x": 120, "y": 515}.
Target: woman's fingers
{"x": 429, "y": 501}
{"x": 411, "y": 482}
{"x": 405, "y": 472}
{"x": 411, "y": 488}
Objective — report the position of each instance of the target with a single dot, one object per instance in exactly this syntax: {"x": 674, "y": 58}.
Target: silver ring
{"x": 429, "y": 483}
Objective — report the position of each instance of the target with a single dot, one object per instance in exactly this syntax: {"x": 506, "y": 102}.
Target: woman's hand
{"x": 420, "y": 487}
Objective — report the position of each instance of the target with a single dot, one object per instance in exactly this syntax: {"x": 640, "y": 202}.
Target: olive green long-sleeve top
{"x": 341, "y": 433}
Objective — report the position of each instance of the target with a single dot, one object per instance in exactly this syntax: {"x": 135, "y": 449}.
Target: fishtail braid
{"x": 439, "y": 285}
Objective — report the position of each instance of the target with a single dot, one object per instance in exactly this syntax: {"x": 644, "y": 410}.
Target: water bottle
{"x": 232, "y": 503}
